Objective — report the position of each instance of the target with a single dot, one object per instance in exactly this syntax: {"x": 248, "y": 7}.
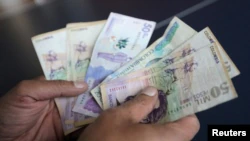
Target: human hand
{"x": 28, "y": 111}
{"x": 122, "y": 123}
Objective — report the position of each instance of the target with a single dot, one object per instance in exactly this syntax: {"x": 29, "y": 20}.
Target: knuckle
{"x": 187, "y": 131}
{"x": 22, "y": 87}
{"x": 60, "y": 86}
{"x": 196, "y": 124}
{"x": 61, "y": 83}
{"x": 109, "y": 113}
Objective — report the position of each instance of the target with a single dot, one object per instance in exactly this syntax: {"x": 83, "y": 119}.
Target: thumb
{"x": 139, "y": 107}
{"x": 183, "y": 130}
{"x": 44, "y": 90}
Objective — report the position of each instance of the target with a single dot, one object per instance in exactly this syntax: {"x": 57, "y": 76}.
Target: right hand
{"x": 122, "y": 123}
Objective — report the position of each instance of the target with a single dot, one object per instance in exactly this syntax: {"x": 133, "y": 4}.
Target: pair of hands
{"x": 28, "y": 112}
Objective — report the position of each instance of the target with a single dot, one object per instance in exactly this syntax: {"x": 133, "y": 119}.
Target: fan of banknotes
{"x": 190, "y": 69}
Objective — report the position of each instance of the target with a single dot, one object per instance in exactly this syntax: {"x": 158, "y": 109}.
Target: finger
{"x": 44, "y": 90}
{"x": 183, "y": 130}
{"x": 139, "y": 107}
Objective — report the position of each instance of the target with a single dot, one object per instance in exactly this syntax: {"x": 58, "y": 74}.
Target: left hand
{"x": 28, "y": 111}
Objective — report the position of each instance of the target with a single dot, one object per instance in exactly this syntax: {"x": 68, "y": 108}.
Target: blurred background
{"x": 10, "y": 7}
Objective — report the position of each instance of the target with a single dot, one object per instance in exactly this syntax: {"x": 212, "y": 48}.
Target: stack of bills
{"x": 190, "y": 69}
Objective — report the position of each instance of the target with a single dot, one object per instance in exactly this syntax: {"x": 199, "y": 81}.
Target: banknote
{"x": 176, "y": 34}
{"x": 80, "y": 41}
{"x": 80, "y": 120}
{"x": 229, "y": 64}
{"x": 195, "y": 83}
{"x": 121, "y": 39}
{"x": 51, "y": 51}
{"x": 75, "y": 118}
{"x": 67, "y": 127}
{"x": 200, "y": 40}
{"x": 203, "y": 38}
{"x": 69, "y": 25}
{"x": 68, "y": 114}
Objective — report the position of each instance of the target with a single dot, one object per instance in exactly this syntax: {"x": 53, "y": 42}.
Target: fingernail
{"x": 149, "y": 91}
{"x": 79, "y": 84}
